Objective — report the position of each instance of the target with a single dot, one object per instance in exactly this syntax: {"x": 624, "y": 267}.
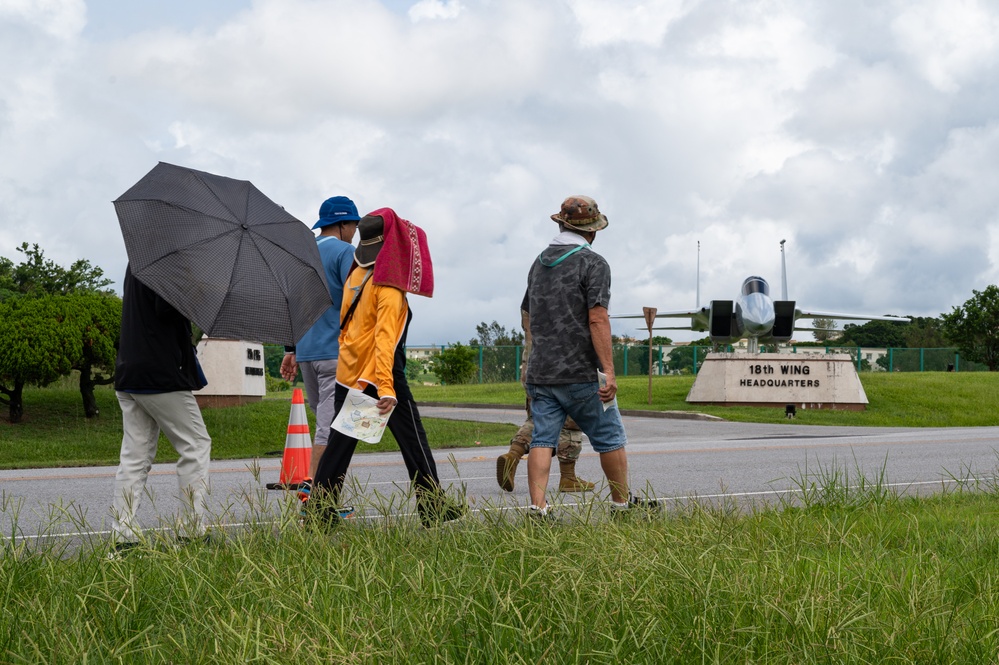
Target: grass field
{"x": 844, "y": 575}
{"x": 926, "y": 399}
{"x": 54, "y": 433}
{"x": 856, "y": 577}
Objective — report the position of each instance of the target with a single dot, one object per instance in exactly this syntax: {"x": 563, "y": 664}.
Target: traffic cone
{"x": 297, "y": 458}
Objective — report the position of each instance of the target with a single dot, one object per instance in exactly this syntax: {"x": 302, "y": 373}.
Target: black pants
{"x": 406, "y": 427}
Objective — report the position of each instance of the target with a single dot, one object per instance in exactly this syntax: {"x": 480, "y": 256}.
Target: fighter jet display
{"x": 754, "y": 315}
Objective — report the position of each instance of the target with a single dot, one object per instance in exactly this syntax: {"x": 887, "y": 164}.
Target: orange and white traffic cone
{"x": 297, "y": 458}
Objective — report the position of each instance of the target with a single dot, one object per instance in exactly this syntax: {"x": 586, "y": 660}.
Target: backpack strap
{"x": 564, "y": 256}
{"x": 355, "y": 301}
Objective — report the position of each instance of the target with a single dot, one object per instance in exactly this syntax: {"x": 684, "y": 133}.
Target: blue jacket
{"x": 321, "y": 342}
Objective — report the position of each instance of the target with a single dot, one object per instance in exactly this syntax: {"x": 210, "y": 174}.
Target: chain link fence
{"x": 501, "y": 364}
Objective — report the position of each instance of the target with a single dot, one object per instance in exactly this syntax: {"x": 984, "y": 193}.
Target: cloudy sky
{"x": 863, "y": 133}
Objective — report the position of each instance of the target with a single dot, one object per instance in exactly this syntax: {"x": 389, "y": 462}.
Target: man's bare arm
{"x": 600, "y": 334}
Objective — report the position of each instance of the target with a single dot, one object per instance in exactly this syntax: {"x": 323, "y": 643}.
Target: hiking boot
{"x": 569, "y": 481}
{"x": 506, "y": 469}
{"x": 574, "y": 484}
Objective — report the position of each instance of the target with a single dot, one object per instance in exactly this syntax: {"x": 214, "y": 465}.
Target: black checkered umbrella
{"x": 227, "y": 257}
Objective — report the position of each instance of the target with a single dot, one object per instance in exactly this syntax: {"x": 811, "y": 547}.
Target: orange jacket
{"x": 369, "y": 340}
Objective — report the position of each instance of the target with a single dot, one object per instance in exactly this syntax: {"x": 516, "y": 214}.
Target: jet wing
{"x": 803, "y": 314}
{"x": 668, "y": 328}
{"x": 682, "y": 314}
{"x": 699, "y": 319}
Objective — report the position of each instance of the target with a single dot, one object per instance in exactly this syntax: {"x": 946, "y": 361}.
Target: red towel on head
{"x": 404, "y": 259}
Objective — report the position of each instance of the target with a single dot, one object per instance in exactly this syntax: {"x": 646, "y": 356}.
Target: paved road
{"x": 670, "y": 458}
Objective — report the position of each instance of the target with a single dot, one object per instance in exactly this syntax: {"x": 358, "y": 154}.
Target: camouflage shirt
{"x": 561, "y": 290}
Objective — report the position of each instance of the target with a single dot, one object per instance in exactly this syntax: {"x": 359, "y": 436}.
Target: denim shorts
{"x": 550, "y": 404}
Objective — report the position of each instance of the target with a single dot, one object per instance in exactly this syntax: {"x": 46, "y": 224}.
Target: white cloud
{"x": 61, "y": 19}
{"x": 606, "y": 22}
{"x": 864, "y": 133}
{"x": 951, "y": 41}
{"x": 434, "y": 9}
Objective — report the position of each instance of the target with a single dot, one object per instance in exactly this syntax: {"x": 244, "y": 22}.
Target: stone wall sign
{"x": 235, "y": 372}
{"x": 807, "y": 380}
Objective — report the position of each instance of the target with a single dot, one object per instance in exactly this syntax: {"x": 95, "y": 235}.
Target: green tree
{"x": 974, "y": 327}
{"x": 493, "y": 334}
{"x": 455, "y": 364}
{"x": 8, "y": 288}
{"x": 39, "y": 338}
{"x": 925, "y": 332}
{"x": 273, "y": 355}
{"x": 98, "y": 317}
{"x": 883, "y": 334}
{"x": 89, "y": 309}
{"x": 681, "y": 359}
{"x": 825, "y": 329}
{"x": 36, "y": 275}
{"x": 415, "y": 368}
{"x": 498, "y": 348}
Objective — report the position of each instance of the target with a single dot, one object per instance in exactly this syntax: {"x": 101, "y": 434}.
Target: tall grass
{"x": 848, "y": 574}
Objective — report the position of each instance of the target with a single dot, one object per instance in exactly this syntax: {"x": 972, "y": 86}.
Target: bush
{"x": 276, "y": 385}
{"x": 455, "y": 364}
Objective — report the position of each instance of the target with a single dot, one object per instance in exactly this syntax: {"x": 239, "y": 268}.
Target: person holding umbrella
{"x": 317, "y": 352}
{"x": 155, "y": 372}
{"x": 213, "y": 251}
{"x": 391, "y": 260}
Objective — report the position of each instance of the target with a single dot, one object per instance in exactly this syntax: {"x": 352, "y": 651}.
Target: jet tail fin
{"x": 783, "y": 272}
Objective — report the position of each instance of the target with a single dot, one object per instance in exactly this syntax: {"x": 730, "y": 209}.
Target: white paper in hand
{"x": 359, "y": 418}
{"x": 602, "y": 381}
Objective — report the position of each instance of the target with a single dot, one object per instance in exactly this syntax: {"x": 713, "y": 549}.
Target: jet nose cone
{"x": 756, "y": 314}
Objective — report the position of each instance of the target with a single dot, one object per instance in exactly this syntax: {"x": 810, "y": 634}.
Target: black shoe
{"x": 648, "y": 505}
{"x": 636, "y": 506}
{"x": 440, "y": 510}
{"x": 324, "y": 520}
{"x": 204, "y": 539}
{"x": 121, "y": 550}
{"x": 545, "y": 516}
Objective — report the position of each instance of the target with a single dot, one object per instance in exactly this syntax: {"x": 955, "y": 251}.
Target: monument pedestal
{"x": 235, "y": 372}
{"x": 807, "y": 380}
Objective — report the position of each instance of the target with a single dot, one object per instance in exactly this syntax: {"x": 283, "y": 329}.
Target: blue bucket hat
{"x": 336, "y": 210}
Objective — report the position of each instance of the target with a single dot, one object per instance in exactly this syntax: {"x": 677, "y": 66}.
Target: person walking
{"x": 570, "y": 439}
{"x": 571, "y": 369}
{"x": 316, "y": 354}
{"x": 156, "y": 372}
{"x": 392, "y": 259}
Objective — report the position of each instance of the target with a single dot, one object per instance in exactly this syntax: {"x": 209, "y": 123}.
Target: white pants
{"x": 319, "y": 377}
{"x": 143, "y": 416}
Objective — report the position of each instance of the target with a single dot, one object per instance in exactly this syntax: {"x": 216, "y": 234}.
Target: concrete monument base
{"x": 807, "y": 380}
{"x": 235, "y": 372}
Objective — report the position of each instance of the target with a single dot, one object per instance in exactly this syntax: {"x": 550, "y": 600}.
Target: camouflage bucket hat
{"x": 581, "y": 213}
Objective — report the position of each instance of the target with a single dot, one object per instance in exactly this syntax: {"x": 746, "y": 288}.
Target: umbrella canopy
{"x": 227, "y": 257}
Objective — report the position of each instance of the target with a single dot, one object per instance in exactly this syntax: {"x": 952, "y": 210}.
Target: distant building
{"x": 422, "y": 352}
